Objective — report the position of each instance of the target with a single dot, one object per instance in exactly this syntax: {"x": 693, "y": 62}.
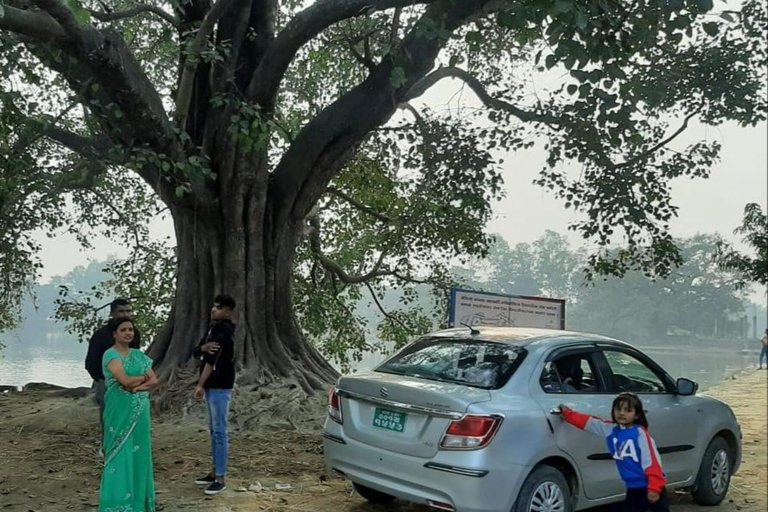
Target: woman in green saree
{"x": 126, "y": 483}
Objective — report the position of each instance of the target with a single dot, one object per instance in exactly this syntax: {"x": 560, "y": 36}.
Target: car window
{"x": 477, "y": 363}
{"x": 571, "y": 373}
{"x": 631, "y": 374}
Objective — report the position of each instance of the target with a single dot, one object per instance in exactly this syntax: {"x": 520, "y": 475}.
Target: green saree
{"x": 126, "y": 483}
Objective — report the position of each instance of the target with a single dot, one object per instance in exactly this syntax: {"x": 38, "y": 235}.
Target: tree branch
{"x": 128, "y": 107}
{"x": 62, "y": 15}
{"x": 326, "y": 143}
{"x": 335, "y": 268}
{"x": 360, "y": 206}
{"x": 139, "y": 9}
{"x": 489, "y": 101}
{"x": 184, "y": 96}
{"x": 37, "y": 25}
{"x": 365, "y": 60}
{"x": 393, "y": 39}
{"x": 95, "y": 149}
{"x": 478, "y": 88}
{"x": 661, "y": 144}
{"x": 303, "y": 28}
{"x": 384, "y": 312}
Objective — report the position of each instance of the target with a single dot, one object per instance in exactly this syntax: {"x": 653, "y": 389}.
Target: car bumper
{"x": 445, "y": 478}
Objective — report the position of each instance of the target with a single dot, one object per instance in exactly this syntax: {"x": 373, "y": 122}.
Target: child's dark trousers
{"x": 637, "y": 501}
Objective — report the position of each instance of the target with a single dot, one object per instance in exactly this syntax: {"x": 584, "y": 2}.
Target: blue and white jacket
{"x": 632, "y": 448}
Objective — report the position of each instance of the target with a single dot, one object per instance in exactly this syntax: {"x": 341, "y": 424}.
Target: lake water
{"x": 61, "y": 362}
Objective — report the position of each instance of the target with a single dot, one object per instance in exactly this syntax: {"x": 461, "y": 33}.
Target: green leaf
{"x": 82, "y": 15}
{"x": 572, "y": 89}
{"x": 397, "y": 78}
{"x": 550, "y": 61}
{"x": 562, "y": 6}
{"x": 474, "y": 37}
{"x": 711, "y": 28}
{"x": 582, "y": 20}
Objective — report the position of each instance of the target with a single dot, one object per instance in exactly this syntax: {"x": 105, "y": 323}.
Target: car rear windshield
{"x": 471, "y": 362}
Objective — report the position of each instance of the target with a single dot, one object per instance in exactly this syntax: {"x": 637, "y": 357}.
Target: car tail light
{"x": 471, "y": 432}
{"x": 334, "y": 405}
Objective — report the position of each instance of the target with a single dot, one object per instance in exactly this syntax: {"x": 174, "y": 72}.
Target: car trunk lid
{"x": 403, "y": 414}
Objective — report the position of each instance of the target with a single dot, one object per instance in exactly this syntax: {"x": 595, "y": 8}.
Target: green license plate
{"x": 389, "y": 420}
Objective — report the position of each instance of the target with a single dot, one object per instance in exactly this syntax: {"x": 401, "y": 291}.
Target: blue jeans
{"x": 218, "y": 414}
{"x": 763, "y": 354}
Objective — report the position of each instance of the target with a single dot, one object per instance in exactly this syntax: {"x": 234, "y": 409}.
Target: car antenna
{"x": 472, "y": 330}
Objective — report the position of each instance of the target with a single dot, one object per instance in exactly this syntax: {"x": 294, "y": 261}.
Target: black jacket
{"x": 100, "y": 342}
{"x": 223, "y": 361}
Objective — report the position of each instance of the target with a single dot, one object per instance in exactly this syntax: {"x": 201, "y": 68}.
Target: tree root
{"x": 280, "y": 404}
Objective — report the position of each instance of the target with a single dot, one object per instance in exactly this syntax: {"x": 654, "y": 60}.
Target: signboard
{"x": 494, "y": 309}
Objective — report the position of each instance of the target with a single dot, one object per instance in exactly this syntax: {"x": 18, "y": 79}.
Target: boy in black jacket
{"x": 217, "y": 377}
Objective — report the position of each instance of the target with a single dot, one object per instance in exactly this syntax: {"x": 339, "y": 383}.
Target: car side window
{"x": 631, "y": 374}
{"x": 570, "y": 373}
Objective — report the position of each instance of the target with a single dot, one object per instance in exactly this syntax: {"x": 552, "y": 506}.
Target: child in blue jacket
{"x": 632, "y": 448}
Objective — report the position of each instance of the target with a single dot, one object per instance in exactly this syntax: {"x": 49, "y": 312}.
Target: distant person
{"x": 633, "y": 449}
{"x": 100, "y": 342}
{"x": 217, "y": 377}
{"x": 126, "y": 481}
{"x": 764, "y": 350}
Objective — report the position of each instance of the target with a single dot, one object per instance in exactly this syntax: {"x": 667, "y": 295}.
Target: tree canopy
{"x": 287, "y": 142}
{"x": 754, "y": 231}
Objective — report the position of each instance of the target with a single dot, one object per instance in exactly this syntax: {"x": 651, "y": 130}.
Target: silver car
{"x": 466, "y": 420}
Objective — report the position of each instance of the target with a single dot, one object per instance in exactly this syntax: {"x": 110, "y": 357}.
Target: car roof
{"x": 522, "y": 336}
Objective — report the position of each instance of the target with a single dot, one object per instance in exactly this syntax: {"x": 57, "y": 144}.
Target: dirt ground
{"x": 49, "y": 460}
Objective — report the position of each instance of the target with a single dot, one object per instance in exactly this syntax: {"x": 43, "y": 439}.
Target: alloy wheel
{"x": 720, "y": 472}
{"x": 548, "y": 497}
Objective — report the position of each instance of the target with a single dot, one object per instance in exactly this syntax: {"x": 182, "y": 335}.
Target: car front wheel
{"x": 545, "y": 490}
{"x": 372, "y": 495}
{"x": 714, "y": 474}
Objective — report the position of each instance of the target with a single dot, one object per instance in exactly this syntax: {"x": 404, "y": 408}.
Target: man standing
{"x": 764, "y": 350}
{"x": 217, "y": 377}
{"x": 100, "y": 343}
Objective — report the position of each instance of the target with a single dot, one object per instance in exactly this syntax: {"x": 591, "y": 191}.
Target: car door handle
{"x": 555, "y": 410}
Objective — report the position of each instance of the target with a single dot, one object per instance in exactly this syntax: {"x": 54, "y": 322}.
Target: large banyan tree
{"x": 290, "y": 143}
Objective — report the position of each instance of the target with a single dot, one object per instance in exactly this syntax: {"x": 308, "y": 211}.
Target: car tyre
{"x": 545, "y": 490}
{"x": 373, "y": 495}
{"x": 714, "y": 473}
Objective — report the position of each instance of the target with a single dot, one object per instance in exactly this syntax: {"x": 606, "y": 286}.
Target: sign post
{"x": 495, "y": 309}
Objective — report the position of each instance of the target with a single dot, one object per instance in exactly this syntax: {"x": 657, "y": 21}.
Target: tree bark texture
{"x": 231, "y": 246}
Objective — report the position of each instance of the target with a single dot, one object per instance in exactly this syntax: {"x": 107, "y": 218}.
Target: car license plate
{"x": 389, "y": 420}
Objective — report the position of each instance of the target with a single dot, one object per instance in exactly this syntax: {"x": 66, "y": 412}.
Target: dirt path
{"x": 49, "y": 461}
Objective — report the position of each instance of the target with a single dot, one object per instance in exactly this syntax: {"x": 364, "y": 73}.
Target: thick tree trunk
{"x": 231, "y": 246}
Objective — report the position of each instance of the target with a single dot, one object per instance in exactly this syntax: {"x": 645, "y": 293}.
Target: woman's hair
{"x": 114, "y": 323}
{"x": 633, "y": 401}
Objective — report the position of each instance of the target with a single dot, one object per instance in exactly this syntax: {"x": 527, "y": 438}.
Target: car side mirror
{"x": 686, "y": 387}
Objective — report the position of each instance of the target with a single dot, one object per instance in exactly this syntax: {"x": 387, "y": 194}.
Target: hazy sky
{"x": 706, "y": 205}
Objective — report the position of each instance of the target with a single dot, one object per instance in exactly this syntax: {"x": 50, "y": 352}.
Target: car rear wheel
{"x": 714, "y": 474}
{"x": 372, "y": 495}
{"x": 545, "y": 490}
